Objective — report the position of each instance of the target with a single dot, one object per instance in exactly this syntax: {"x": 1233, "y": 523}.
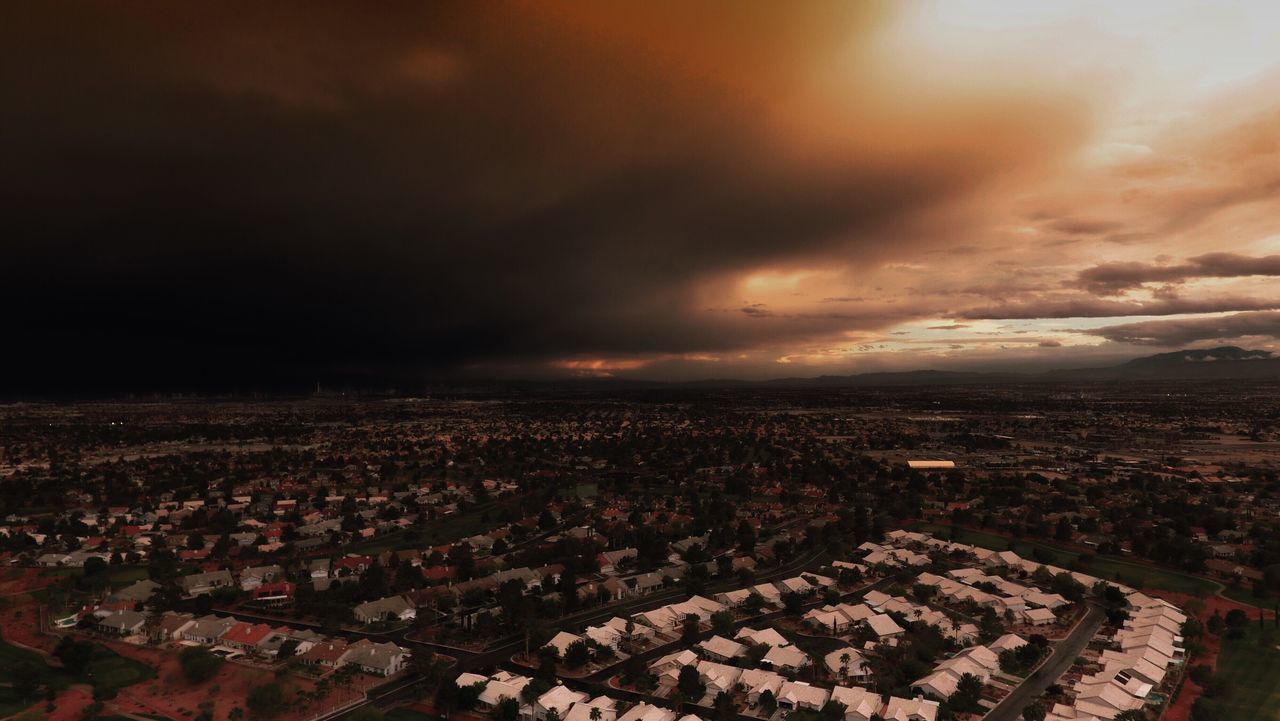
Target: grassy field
{"x": 1112, "y": 569}
{"x": 106, "y": 669}
{"x": 408, "y": 714}
{"x": 1254, "y": 670}
{"x": 118, "y": 576}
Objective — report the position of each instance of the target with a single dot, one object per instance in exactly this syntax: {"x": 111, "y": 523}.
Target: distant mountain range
{"x": 1224, "y": 363}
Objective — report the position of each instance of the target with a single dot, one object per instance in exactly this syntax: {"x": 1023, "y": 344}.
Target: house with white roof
{"x": 502, "y": 685}
{"x": 859, "y": 703}
{"x": 757, "y": 681}
{"x": 884, "y": 627}
{"x": 796, "y": 695}
{"x": 768, "y": 592}
{"x": 560, "y": 698}
{"x": 785, "y": 658}
{"x": 905, "y": 709}
{"x": 607, "y": 707}
{"x": 647, "y": 712}
{"x": 762, "y": 637}
{"x": 718, "y": 677}
{"x": 719, "y": 648}
{"x": 848, "y": 664}
{"x": 562, "y": 641}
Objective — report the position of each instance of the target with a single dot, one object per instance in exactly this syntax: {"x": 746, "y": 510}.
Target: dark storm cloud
{"x": 1112, "y": 278}
{"x": 212, "y": 194}
{"x": 1183, "y": 332}
{"x": 1090, "y": 307}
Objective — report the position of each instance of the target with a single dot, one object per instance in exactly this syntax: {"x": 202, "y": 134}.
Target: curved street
{"x": 1064, "y": 654}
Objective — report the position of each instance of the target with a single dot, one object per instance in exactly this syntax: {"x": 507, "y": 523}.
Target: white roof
{"x": 883, "y": 625}
{"x": 722, "y": 647}
{"x": 907, "y": 709}
{"x": 798, "y": 692}
{"x": 647, "y": 712}
{"x": 856, "y": 660}
{"x": 562, "y": 641}
{"x": 857, "y": 700}
{"x": 561, "y": 698}
{"x": 470, "y": 679}
{"x": 763, "y": 636}
{"x": 786, "y": 657}
{"x": 1007, "y": 642}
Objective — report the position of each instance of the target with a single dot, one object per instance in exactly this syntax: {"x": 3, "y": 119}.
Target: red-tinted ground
{"x": 19, "y": 624}
{"x": 1180, "y": 708}
{"x": 70, "y": 704}
{"x": 170, "y": 695}
{"x": 15, "y": 580}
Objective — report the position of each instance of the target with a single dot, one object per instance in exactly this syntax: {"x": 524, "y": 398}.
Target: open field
{"x": 1254, "y": 670}
{"x": 408, "y": 714}
{"x": 1112, "y": 569}
{"x": 171, "y": 695}
{"x": 106, "y": 670}
{"x": 118, "y": 576}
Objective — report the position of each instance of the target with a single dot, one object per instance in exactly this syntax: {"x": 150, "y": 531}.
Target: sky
{"x": 221, "y": 195}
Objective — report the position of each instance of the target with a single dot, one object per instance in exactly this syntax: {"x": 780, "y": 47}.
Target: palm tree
{"x": 845, "y": 658}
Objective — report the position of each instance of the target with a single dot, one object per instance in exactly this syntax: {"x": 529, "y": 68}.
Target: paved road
{"x": 1064, "y": 654}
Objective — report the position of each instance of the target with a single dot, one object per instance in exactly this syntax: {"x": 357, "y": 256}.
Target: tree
{"x": 691, "y": 628}
{"x": 198, "y": 664}
{"x": 768, "y": 702}
{"x": 1034, "y": 712}
{"x": 1215, "y": 623}
{"x": 690, "y": 684}
{"x": 577, "y": 654}
{"x": 1236, "y": 618}
{"x": 753, "y": 603}
{"x": 508, "y": 709}
{"x": 469, "y": 695}
{"x": 1135, "y": 714}
{"x": 722, "y": 623}
{"x": 968, "y": 692}
{"x": 25, "y": 679}
{"x": 832, "y": 711}
{"x": 794, "y": 603}
{"x": 725, "y": 710}
{"x": 266, "y": 700}
{"x": 447, "y": 699}
{"x": 74, "y": 655}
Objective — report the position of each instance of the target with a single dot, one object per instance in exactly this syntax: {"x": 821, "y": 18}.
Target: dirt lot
{"x": 171, "y": 695}
{"x": 70, "y": 704}
{"x": 19, "y": 620}
{"x": 22, "y": 580}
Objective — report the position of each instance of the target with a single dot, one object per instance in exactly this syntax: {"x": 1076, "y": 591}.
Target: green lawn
{"x": 406, "y": 714}
{"x": 1254, "y": 671}
{"x": 1111, "y": 569}
{"x": 117, "y": 576}
{"x": 106, "y": 669}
